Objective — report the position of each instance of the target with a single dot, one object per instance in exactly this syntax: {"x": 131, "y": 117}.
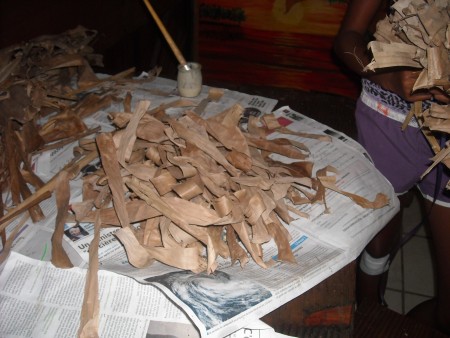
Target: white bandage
{"x": 373, "y": 266}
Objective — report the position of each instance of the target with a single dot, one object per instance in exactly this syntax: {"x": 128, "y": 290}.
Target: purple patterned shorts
{"x": 401, "y": 156}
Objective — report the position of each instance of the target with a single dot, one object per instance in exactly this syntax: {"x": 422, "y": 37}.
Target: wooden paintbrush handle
{"x": 166, "y": 34}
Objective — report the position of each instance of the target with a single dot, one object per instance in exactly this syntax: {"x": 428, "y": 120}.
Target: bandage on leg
{"x": 373, "y": 266}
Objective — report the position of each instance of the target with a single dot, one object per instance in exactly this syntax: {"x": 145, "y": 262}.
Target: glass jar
{"x": 190, "y": 80}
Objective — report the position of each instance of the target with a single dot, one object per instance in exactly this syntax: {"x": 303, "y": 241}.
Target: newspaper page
{"x": 39, "y": 300}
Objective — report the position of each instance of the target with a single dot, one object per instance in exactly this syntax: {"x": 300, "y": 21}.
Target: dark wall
{"x": 127, "y": 34}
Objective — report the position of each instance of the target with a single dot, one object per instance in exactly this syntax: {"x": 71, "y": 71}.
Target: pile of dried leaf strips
{"x": 182, "y": 190}
{"x": 417, "y": 35}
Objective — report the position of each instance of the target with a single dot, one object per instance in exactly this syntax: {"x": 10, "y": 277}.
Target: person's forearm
{"x": 352, "y": 50}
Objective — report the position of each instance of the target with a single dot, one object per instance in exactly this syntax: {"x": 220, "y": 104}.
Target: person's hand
{"x": 440, "y": 95}
{"x": 401, "y": 82}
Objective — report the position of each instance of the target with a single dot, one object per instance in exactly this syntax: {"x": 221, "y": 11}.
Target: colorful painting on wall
{"x": 278, "y": 43}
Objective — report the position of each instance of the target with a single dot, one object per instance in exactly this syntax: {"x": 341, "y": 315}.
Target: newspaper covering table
{"x": 216, "y": 304}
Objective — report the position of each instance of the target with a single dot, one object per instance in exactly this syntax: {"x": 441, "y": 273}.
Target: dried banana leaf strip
{"x": 190, "y": 188}
{"x": 252, "y": 205}
{"x": 223, "y": 205}
{"x": 237, "y": 253}
{"x": 216, "y": 233}
{"x": 194, "y": 213}
{"x": 9, "y": 67}
{"x": 438, "y": 125}
{"x": 186, "y": 170}
{"x": 17, "y": 106}
{"x": 282, "y": 210}
{"x": 144, "y": 171}
{"x": 279, "y": 146}
{"x": 254, "y": 181}
{"x": 229, "y": 117}
{"x": 230, "y": 137}
{"x": 442, "y": 156}
{"x": 62, "y": 194}
{"x": 295, "y": 169}
{"x": 244, "y": 235}
{"x": 152, "y": 130}
{"x": 437, "y": 118}
{"x": 320, "y": 137}
{"x": 46, "y": 190}
{"x": 173, "y": 235}
{"x": 149, "y": 234}
{"x": 151, "y": 198}
{"x": 163, "y": 181}
{"x": 137, "y": 210}
{"x": 203, "y": 144}
{"x": 329, "y": 182}
{"x": 90, "y": 310}
{"x": 20, "y": 172}
{"x": 392, "y": 55}
{"x": 239, "y": 160}
{"x": 178, "y": 257}
{"x": 13, "y": 163}
{"x": 440, "y": 111}
{"x": 269, "y": 203}
{"x": 129, "y": 136}
{"x": 7, "y": 244}
{"x": 93, "y": 103}
{"x": 138, "y": 256}
{"x": 434, "y": 20}
{"x": 29, "y": 139}
{"x": 281, "y": 238}
{"x": 438, "y": 66}
{"x": 60, "y": 61}
{"x": 110, "y": 164}
{"x": 65, "y": 124}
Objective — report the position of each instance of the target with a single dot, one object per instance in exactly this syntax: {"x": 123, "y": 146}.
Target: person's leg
{"x": 401, "y": 156}
{"x": 373, "y": 267}
{"x": 436, "y": 312}
{"x": 369, "y": 280}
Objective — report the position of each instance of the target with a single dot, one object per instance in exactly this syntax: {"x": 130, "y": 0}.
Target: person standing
{"x": 402, "y": 156}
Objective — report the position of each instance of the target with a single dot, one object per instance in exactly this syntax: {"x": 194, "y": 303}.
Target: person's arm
{"x": 351, "y": 48}
{"x": 350, "y": 44}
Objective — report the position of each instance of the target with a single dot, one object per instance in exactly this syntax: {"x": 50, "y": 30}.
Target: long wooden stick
{"x": 166, "y": 34}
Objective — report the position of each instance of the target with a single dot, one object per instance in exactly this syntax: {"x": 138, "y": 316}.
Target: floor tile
{"x": 394, "y": 300}
{"x": 418, "y": 267}
{"x": 395, "y": 276}
{"x": 412, "y": 216}
{"x": 411, "y": 274}
{"x": 411, "y": 300}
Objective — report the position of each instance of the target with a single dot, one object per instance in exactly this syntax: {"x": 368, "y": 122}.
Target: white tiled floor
{"x": 411, "y": 276}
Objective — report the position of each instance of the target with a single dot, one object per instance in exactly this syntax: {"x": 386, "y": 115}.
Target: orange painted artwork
{"x": 280, "y": 43}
